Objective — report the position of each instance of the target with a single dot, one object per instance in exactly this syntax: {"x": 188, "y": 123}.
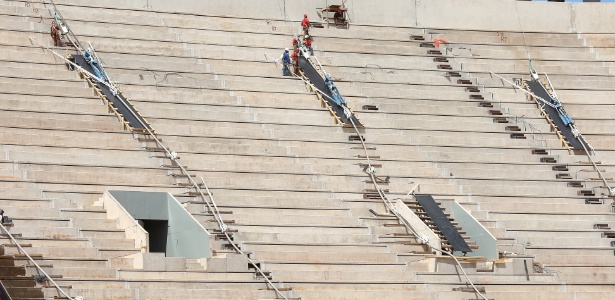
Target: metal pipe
{"x": 34, "y": 262}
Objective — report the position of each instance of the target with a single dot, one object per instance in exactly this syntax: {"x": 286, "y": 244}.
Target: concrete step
{"x": 341, "y": 238}
{"x": 341, "y": 266}
{"x": 69, "y": 263}
{"x": 52, "y": 252}
{"x": 183, "y": 275}
{"x": 76, "y": 272}
{"x": 324, "y": 257}
{"x": 45, "y": 232}
{"x": 72, "y": 242}
{"x": 333, "y": 276}
{"x": 480, "y": 279}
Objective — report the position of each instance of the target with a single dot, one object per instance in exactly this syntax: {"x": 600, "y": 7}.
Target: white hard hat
{"x": 307, "y": 36}
{"x": 286, "y": 49}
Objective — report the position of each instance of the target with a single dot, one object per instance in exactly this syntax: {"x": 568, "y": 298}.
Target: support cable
{"x": 38, "y": 268}
{"x": 606, "y": 185}
{"x": 173, "y": 156}
{"x": 527, "y": 50}
{"x": 545, "y": 102}
{"x": 577, "y": 134}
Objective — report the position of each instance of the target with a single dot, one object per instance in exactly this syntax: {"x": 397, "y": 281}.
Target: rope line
{"x": 527, "y": 50}
{"x": 545, "y": 102}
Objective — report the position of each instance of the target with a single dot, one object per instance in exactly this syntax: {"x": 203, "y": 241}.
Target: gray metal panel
{"x": 486, "y": 242}
{"x": 441, "y": 221}
{"x": 319, "y": 82}
{"x": 539, "y": 90}
{"x": 135, "y": 120}
{"x": 185, "y": 236}
{"x": 143, "y": 205}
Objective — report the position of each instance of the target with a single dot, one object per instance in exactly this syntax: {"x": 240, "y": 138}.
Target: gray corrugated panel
{"x": 134, "y": 119}
{"x": 441, "y": 221}
{"x": 319, "y": 83}
{"x": 538, "y": 89}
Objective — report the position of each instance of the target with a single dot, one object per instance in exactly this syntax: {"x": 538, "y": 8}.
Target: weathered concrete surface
{"x": 496, "y": 15}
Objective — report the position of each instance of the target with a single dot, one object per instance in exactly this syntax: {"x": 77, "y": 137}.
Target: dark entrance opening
{"x": 157, "y": 230}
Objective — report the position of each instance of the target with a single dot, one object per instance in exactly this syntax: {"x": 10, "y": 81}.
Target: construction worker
{"x": 96, "y": 67}
{"x": 437, "y": 42}
{"x": 295, "y": 43}
{"x": 296, "y": 60}
{"x": 308, "y": 44}
{"x": 335, "y": 93}
{"x": 338, "y": 17}
{"x": 285, "y": 57}
{"x": 305, "y": 24}
{"x": 55, "y": 34}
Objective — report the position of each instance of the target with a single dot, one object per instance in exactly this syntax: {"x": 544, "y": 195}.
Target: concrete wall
{"x": 143, "y": 205}
{"x": 496, "y": 15}
{"x": 125, "y": 221}
{"x": 184, "y": 6}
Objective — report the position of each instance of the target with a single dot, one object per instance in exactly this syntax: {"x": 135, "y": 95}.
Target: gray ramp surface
{"x": 537, "y": 89}
{"x": 134, "y": 119}
{"x": 319, "y": 83}
{"x": 441, "y": 221}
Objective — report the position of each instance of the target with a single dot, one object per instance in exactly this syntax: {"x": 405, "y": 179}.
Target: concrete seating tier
{"x": 557, "y": 244}
{"x": 272, "y": 157}
{"x": 55, "y": 161}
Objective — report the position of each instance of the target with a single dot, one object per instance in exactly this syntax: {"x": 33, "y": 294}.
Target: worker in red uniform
{"x": 296, "y": 60}
{"x": 437, "y": 42}
{"x": 305, "y": 24}
{"x": 55, "y": 34}
{"x": 295, "y": 43}
{"x": 338, "y": 17}
{"x": 308, "y": 44}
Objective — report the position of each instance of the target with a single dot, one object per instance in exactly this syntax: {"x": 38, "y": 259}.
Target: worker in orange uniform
{"x": 295, "y": 43}
{"x": 55, "y": 34}
{"x": 437, "y": 42}
{"x": 305, "y": 24}
{"x": 308, "y": 44}
{"x": 338, "y": 17}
